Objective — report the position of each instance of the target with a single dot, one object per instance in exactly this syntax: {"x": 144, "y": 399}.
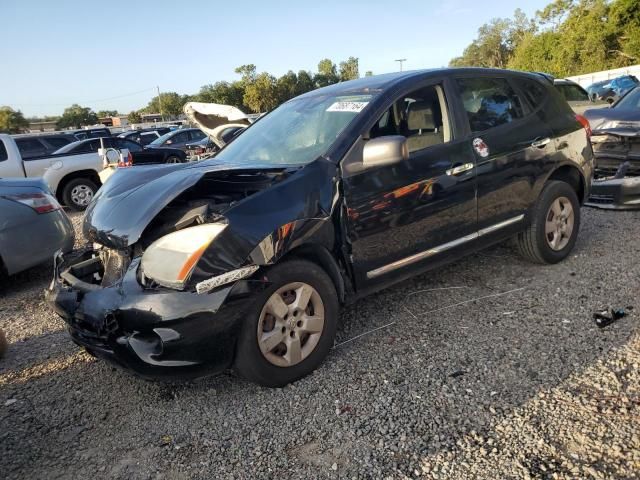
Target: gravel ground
{"x": 519, "y": 385}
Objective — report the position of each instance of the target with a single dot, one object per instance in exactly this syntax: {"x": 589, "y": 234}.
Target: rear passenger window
{"x": 489, "y": 102}
{"x": 30, "y": 147}
{"x": 3, "y": 152}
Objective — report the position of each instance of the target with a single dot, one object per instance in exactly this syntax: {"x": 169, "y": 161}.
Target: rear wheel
{"x": 554, "y": 225}
{"x": 291, "y": 327}
{"x": 174, "y": 159}
{"x": 78, "y": 193}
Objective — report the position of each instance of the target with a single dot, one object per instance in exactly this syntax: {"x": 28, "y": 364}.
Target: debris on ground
{"x": 606, "y": 317}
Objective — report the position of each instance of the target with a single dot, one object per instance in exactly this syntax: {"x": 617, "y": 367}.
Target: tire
{"x": 535, "y": 243}
{"x": 78, "y": 193}
{"x": 174, "y": 159}
{"x": 275, "y": 368}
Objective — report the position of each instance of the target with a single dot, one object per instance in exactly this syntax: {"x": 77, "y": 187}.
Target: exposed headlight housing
{"x": 170, "y": 260}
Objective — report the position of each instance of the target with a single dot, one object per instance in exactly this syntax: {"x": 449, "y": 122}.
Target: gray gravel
{"x": 521, "y": 385}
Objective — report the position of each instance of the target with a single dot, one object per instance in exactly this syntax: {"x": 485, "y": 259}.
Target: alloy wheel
{"x": 291, "y": 324}
{"x": 559, "y": 223}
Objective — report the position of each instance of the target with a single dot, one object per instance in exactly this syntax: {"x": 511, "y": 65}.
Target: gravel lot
{"x": 520, "y": 385}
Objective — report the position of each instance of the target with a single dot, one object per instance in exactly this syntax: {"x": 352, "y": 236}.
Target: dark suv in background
{"x": 32, "y": 146}
{"x": 244, "y": 260}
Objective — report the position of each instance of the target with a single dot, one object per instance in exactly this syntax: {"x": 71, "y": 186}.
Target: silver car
{"x": 33, "y": 226}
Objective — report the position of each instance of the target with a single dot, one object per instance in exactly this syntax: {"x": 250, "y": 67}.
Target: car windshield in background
{"x": 630, "y": 101}
{"x": 162, "y": 139}
{"x": 572, "y": 93}
{"x": 297, "y": 132}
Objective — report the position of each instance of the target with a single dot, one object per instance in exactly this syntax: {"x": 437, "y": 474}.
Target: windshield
{"x": 630, "y": 101}
{"x": 162, "y": 139}
{"x": 297, "y": 132}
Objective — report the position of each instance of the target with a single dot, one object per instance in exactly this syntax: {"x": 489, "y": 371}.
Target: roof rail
{"x": 549, "y": 78}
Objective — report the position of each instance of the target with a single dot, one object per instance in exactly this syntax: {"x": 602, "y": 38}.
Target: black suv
{"x": 244, "y": 260}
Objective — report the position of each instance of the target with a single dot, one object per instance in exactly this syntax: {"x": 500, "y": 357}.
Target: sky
{"x": 112, "y": 55}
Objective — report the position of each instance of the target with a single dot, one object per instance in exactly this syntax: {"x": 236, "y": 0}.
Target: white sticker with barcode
{"x": 355, "y": 107}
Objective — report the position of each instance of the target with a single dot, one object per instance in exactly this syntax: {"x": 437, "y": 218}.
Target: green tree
{"x": 327, "y": 73}
{"x": 305, "y": 82}
{"x": 287, "y": 86}
{"x": 107, "y": 113}
{"x": 167, "y": 103}
{"x": 225, "y": 93}
{"x": 134, "y": 117}
{"x": 76, "y": 116}
{"x": 349, "y": 69}
{"x": 247, "y": 73}
{"x": 368, "y": 73}
{"x": 261, "y": 95}
{"x": 12, "y": 121}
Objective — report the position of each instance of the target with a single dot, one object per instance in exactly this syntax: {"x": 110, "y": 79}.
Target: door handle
{"x": 540, "y": 142}
{"x": 460, "y": 169}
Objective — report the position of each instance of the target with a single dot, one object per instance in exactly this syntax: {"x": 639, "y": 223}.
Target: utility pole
{"x": 400, "y": 61}
{"x": 160, "y": 102}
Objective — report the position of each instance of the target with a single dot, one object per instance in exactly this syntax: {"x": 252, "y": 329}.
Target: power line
{"x": 84, "y": 101}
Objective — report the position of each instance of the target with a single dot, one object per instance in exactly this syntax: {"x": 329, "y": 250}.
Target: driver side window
{"x": 421, "y": 117}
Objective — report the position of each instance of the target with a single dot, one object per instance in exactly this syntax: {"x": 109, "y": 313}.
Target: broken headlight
{"x": 170, "y": 260}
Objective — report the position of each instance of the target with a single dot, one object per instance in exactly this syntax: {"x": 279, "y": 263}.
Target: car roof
{"x": 379, "y": 83}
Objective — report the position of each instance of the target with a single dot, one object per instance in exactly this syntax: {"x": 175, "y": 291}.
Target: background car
{"x": 576, "y": 96}
{"x": 33, "y": 226}
{"x": 139, "y": 153}
{"x": 624, "y": 113}
{"x": 31, "y": 146}
{"x": 179, "y": 138}
{"x": 611, "y": 91}
{"x": 146, "y": 136}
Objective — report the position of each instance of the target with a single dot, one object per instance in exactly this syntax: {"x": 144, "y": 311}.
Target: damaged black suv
{"x": 243, "y": 261}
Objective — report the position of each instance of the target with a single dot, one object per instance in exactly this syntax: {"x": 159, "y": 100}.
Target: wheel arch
{"x": 90, "y": 174}
{"x": 573, "y": 176}
{"x": 322, "y": 257}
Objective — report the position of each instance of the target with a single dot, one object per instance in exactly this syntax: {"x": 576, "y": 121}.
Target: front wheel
{"x": 78, "y": 193}
{"x": 554, "y": 226}
{"x": 291, "y": 327}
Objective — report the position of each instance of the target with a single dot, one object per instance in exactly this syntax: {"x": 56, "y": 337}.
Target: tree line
{"x": 253, "y": 93}
{"x": 567, "y": 37}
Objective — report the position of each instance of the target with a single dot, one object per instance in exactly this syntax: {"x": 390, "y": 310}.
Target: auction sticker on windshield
{"x": 355, "y": 107}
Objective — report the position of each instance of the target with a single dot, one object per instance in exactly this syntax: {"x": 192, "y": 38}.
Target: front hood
{"x": 208, "y": 116}
{"x": 132, "y": 197}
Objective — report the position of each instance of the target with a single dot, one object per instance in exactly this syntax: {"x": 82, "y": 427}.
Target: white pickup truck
{"x": 76, "y": 186}
{"x": 73, "y": 172}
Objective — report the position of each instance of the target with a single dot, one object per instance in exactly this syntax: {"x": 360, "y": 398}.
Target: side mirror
{"x": 385, "y": 151}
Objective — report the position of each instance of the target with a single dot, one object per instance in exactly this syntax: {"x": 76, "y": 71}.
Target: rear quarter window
{"x": 534, "y": 92}
{"x": 3, "y": 152}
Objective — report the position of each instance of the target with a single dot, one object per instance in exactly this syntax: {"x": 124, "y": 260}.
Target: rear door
{"x": 403, "y": 216}
{"x": 512, "y": 143}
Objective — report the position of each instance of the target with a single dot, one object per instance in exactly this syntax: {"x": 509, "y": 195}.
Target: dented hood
{"x": 132, "y": 197}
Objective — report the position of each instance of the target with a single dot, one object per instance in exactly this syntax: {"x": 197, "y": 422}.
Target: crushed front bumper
{"x": 155, "y": 333}
{"x": 615, "y": 194}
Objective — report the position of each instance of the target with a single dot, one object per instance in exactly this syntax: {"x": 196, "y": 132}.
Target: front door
{"x": 402, "y": 216}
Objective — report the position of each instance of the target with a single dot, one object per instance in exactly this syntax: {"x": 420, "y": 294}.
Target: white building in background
{"x": 590, "y": 78}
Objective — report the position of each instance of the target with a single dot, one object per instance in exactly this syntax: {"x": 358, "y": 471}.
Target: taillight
{"x": 585, "y": 124}
{"x": 128, "y": 163}
{"x": 40, "y": 202}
